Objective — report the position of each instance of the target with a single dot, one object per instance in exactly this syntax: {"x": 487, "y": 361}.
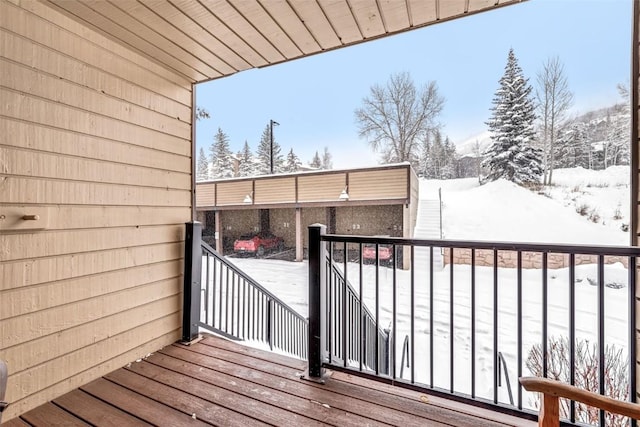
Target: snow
{"x": 504, "y": 211}
{"x": 495, "y": 211}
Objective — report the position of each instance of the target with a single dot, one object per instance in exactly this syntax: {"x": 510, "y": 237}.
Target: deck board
{"x": 95, "y": 411}
{"x": 222, "y": 383}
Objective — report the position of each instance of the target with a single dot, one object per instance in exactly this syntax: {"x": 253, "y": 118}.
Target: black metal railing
{"x": 559, "y": 311}
{"x": 229, "y": 302}
{"x": 368, "y": 349}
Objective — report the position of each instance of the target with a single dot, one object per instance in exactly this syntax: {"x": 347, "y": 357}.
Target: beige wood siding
{"x": 96, "y": 138}
{"x": 206, "y": 195}
{"x": 233, "y": 193}
{"x": 378, "y": 184}
{"x": 277, "y": 190}
{"x": 321, "y": 188}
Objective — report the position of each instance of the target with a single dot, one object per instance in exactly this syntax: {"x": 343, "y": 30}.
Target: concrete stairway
{"x": 428, "y": 227}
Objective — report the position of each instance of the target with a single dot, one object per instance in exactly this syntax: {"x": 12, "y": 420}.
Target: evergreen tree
{"x": 450, "y": 168}
{"x": 202, "y": 171}
{"x": 512, "y": 155}
{"x": 263, "y": 154}
{"x": 425, "y": 153}
{"x": 316, "y": 162}
{"x": 221, "y": 156}
{"x": 293, "y": 162}
{"x": 573, "y": 148}
{"x": 327, "y": 162}
{"x": 247, "y": 165}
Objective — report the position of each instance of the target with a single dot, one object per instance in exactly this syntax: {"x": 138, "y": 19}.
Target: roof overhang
{"x": 208, "y": 39}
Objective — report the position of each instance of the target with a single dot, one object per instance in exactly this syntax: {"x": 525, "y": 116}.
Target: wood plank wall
{"x": 98, "y": 136}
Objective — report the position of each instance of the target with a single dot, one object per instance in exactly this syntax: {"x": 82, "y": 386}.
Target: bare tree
{"x": 554, "y": 99}
{"x": 396, "y": 117}
{"x": 202, "y": 113}
{"x": 585, "y": 373}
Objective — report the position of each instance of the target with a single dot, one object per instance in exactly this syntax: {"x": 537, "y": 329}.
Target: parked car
{"x": 385, "y": 254}
{"x": 258, "y": 244}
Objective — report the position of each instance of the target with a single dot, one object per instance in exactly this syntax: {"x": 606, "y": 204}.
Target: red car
{"x": 258, "y": 244}
{"x": 385, "y": 253}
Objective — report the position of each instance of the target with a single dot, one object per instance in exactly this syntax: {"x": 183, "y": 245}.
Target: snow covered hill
{"x": 503, "y": 211}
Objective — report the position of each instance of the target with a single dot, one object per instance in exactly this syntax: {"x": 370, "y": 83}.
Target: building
{"x": 286, "y": 204}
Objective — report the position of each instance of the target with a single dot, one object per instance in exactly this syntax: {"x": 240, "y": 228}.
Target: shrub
{"x": 594, "y": 216}
{"x": 617, "y": 214}
{"x": 616, "y": 375}
{"x": 582, "y": 209}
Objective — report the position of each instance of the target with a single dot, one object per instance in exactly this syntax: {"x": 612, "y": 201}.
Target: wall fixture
{"x": 248, "y": 199}
{"x": 344, "y": 196}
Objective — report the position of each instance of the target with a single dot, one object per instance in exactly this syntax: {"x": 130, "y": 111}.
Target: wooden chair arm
{"x": 552, "y": 390}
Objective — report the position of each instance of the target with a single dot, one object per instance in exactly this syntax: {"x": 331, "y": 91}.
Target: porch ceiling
{"x": 208, "y": 39}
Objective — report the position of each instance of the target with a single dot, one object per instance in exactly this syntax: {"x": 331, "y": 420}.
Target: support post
{"x": 317, "y": 260}
{"x": 218, "y": 232}
{"x": 192, "y": 287}
{"x": 299, "y": 240}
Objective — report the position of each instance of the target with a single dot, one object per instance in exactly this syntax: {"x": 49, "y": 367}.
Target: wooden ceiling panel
{"x": 149, "y": 14}
{"x": 315, "y": 20}
{"x": 342, "y": 20}
{"x": 178, "y": 19}
{"x": 158, "y": 41}
{"x": 368, "y": 16}
{"x": 264, "y": 23}
{"x": 232, "y": 42}
{"x": 421, "y": 12}
{"x": 244, "y": 28}
{"x": 449, "y": 8}
{"x": 206, "y": 39}
{"x": 285, "y": 16}
{"x": 105, "y": 24}
{"x": 475, "y": 5}
{"x": 395, "y": 15}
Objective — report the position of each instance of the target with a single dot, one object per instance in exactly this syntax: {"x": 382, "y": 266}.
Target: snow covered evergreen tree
{"x": 263, "y": 154}
{"x": 247, "y": 166}
{"x": 202, "y": 171}
{"x": 573, "y": 148}
{"x": 511, "y": 155}
{"x": 327, "y": 162}
{"x": 293, "y": 162}
{"x": 222, "y": 163}
{"x": 316, "y": 162}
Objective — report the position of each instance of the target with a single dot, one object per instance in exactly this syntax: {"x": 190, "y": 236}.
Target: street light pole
{"x": 271, "y": 123}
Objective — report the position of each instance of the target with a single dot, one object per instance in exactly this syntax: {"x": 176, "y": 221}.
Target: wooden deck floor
{"x": 219, "y": 382}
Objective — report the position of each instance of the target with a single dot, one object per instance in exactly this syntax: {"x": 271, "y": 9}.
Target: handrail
{"x": 405, "y": 350}
{"x": 440, "y": 209}
{"x": 477, "y": 244}
{"x": 371, "y": 353}
{"x": 503, "y": 365}
{"x": 552, "y": 390}
{"x": 233, "y": 304}
{"x": 428, "y": 290}
{"x": 208, "y": 250}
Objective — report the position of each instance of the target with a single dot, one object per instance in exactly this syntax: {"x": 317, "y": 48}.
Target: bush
{"x": 616, "y": 375}
{"x": 594, "y": 216}
{"x": 617, "y": 214}
{"x": 582, "y": 209}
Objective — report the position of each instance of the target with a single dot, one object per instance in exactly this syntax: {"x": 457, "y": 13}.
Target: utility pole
{"x": 271, "y": 123}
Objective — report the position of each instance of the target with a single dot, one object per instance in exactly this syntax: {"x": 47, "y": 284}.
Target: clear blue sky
{"x": 314, "y": 98}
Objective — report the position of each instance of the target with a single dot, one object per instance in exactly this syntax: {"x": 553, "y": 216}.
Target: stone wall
{"x": 509, "y": 259}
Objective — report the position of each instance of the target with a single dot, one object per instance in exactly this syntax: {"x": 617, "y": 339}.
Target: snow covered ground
{"x": 505, "y": 212}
